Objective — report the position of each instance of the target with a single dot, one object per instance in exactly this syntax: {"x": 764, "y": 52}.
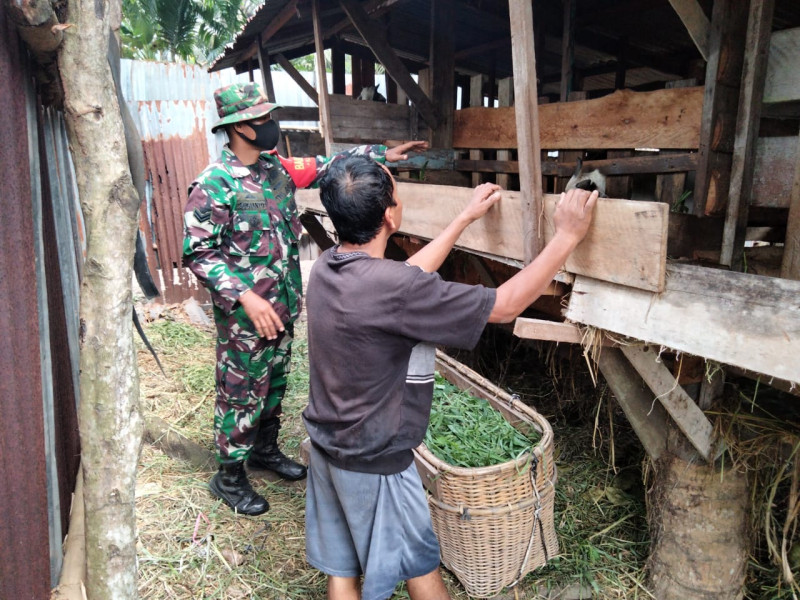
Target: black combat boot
{"x": 267, "y": 455}
{"x": 230, "y": 484}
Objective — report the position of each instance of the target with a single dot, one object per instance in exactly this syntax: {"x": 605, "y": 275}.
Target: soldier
{"x": 241, "y": 241}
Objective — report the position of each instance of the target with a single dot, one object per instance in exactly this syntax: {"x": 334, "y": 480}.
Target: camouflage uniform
{"x": 241, "y": 233}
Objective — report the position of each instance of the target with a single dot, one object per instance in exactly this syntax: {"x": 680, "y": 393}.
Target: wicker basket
{"x": 494, "y": 524}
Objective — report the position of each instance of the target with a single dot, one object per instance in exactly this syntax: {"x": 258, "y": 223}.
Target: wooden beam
{"x": 759, "y": 29}
{"x": 442, "y": 61}
{"x": 680, "y": 406}
{"x": 551, "y": 331}
{"x": 390, "y": 61}
{"x": 647, "y": 417}
{"x": 790, "y": 266}
{"x": 627, "y": 165}
{"x": 696, "y": 22}
{"x": 527, "y": 122}
{"x": 625, "y": 119}
{"x": 266, "y": 73}
{"x": 720, "y": 106}
{"x": 275, "y": 25}
{"x": 748, "y": 321}
{"x": 322, "y": 79}
{"x": 297, "y": 78}
{"x": 633, "y": 229}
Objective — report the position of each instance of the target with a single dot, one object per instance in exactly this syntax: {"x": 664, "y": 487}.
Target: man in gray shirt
{"x": 372, "y": 329}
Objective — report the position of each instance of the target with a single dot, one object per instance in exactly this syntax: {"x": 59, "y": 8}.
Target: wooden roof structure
{"x": 697, "y": 99}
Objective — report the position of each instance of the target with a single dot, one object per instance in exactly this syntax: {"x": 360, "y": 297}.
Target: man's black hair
{"x": 356, "y": 191}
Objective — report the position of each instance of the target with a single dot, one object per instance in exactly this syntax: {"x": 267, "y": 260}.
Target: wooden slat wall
{"x": 626, "y": 243}
{"x": 625, "y": 119}
{"x": 368, "y": 122}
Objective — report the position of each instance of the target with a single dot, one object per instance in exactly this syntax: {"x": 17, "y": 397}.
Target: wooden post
{"x": 355, "y": 76}
{"x": 338, "y": 68}
{"x": 324, "y": 104}
{"x": 527, "y": 117}
{"x": 790, "y": 267}
{"x": 759, "y": 30}
{"x": 505, "y": 97}
{"x": 442, "y": 60}
{"x": 670, "y": 187}
{"x": 476, "y": 99}
{"x": 269, "y": 86}
{"x": 567, "y": 49}
{"x": 720, "y": 103}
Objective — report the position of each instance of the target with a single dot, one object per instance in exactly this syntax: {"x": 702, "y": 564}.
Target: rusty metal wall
{"x": 24, "y": 529}
{"x": 173, "y": 108}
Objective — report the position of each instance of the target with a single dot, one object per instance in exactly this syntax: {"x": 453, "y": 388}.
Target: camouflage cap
{"x": 240, "y": 102}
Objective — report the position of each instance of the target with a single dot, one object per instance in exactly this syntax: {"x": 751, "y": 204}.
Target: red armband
{"x": 302, "y": 170}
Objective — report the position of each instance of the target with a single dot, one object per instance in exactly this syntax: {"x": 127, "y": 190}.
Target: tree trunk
{"x": 110, "y": 421}
{"x": 698, "y": 522}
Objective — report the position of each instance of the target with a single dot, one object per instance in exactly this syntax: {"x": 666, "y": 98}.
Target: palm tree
{"x": 181, "y": 30}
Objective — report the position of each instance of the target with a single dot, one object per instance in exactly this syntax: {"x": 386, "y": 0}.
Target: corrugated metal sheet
{"x": 173, "y": 108}
{"x": 25, "y": 549}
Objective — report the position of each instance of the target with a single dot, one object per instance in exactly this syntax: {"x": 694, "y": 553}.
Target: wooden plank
{"x": 627, "y": 165}
{"x": 696, "y": 22}
{"x": 680, "y": 406}
{"x": 782, "y": 83}
{"x": 720, "y": 106}
{"x": 774, "y": 171}
{"x": 390, "y": 61}
{"x": 647, "y": 417}
{"x": 298, "y": 113}
{"x": 748, "y": 321}
{"x": 551, "y": 331}
{"x": 322, "y": 79}
{"x": 343, "y": 106}
{"x": 790, "y": 266}
{"x": 527, "y": 126}
{"x": 759, "y": 29}
{"x": 664, "y": 119}
{"x": 633, "y": 229}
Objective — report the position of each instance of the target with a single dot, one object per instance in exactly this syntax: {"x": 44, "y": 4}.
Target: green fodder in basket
{"x": 465, "y": 431}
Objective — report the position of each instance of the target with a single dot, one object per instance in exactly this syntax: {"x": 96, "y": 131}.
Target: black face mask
{"x": 267, "y": 135}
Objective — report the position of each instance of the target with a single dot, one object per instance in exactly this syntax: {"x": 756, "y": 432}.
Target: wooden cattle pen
{"x": 689, "y": 109}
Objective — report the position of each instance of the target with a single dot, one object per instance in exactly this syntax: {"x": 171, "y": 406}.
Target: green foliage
{"x": 194, "y": 31}
{"x": 465, "y": 431}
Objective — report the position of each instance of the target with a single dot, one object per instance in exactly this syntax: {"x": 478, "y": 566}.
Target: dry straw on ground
{"x": 192, "y": 547}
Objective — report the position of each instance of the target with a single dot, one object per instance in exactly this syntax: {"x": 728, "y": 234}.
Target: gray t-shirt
{"x": 372, "y": 326}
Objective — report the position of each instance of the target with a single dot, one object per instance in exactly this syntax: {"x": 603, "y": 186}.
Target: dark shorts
{"x": 378, "y": 526}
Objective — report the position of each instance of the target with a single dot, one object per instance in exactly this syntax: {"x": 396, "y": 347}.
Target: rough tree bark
{"x": 110, "y": 420}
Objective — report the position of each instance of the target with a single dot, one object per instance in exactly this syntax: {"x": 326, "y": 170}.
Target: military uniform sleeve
{"x": 307, "y": 172}
{"x": 206, "y": 219}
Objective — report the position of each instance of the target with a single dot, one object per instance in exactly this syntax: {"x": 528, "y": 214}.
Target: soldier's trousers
{"x": 251, "y": 377}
